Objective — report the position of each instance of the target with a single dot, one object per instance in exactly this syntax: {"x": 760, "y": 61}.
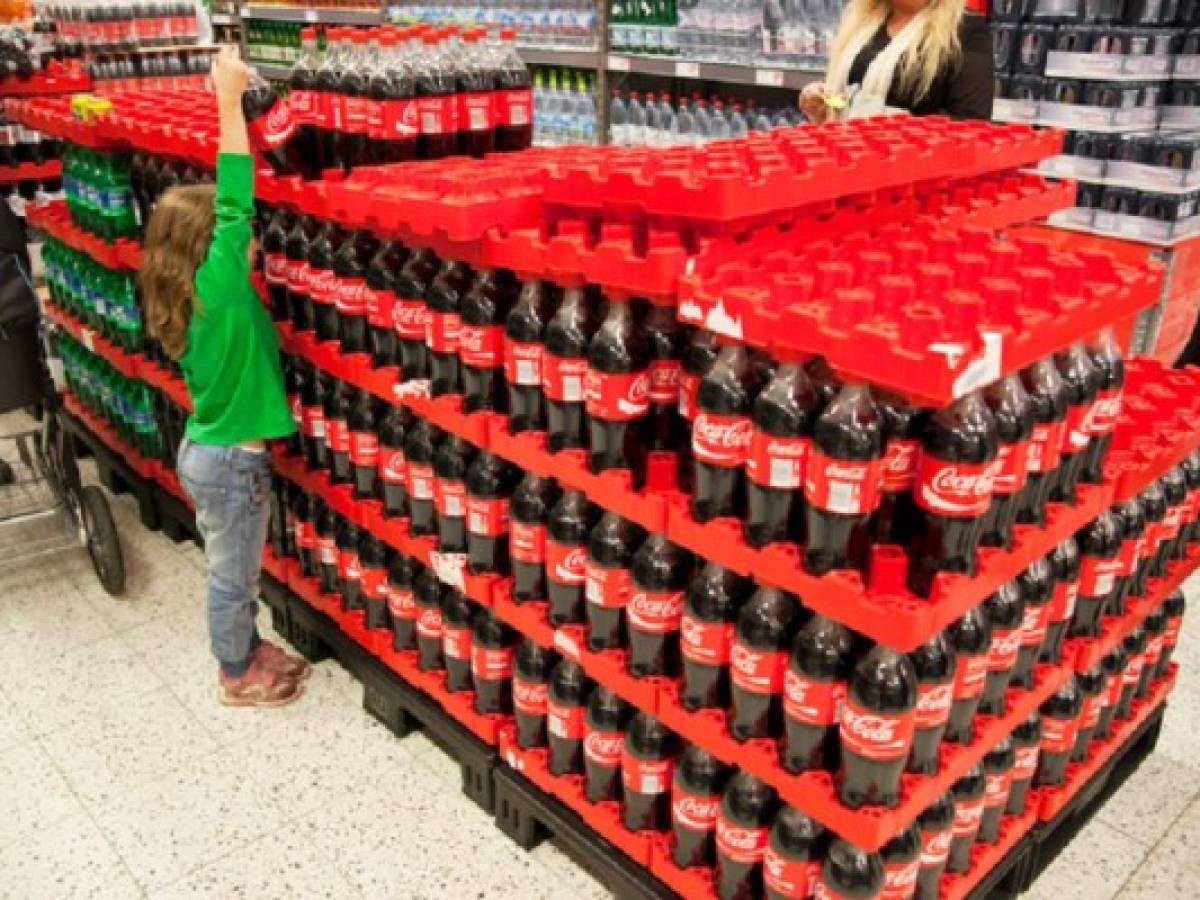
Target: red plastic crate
{"x": 165, "y": 381}
{"x": 57, "y": 78}
{"x": 31, "y": 172}
{"x": 52, "y": 217}
{"x": 123, "y": 362}
{"x": 985, "y": 857}
{"x": 696, "y": 883}
{"x": 141, "y": 466}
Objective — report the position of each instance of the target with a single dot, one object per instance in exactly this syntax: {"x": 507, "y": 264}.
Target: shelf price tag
{"x": 86, "y": 338}
{"x": 310, "y": 15}
{"x": 687, "y": 69}
{"x": 768, "y": 77}
{"x": 618, "y": 63}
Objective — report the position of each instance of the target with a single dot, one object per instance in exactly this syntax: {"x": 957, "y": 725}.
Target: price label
{"x": 618, "y": 63}
{"x": 687, "y": 70}
{"x": 310, "y": 15}
{"x": 768, "y": 77}
{"x": 449, "y": 568}
{"x": 565, "y": 644}
{"x": 86, "y": 338}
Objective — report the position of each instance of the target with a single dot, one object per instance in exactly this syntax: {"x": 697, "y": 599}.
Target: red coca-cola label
{"x": 900, "y": 880}
{"x": 450, "y": 498}
{"x": 441, "y": 332}
{"x": 322, "y": 286}
{"x": 475, "y": 112}
{"x": 604, "y": 748}
{"x": 327, "y": 550}
{"x": 967, "y": 816}
{"x": 297, "y": 411}
{"x": 401, "y": 119}
{"x": 527, "y": 543}
{"x": 1034, "y": 624}
{"x": 364, "y": 448}
{"x": 1026, "y": 762}
{"x": 646, "y": 776}
{"x": 348, "y": 566}
{"x": 847, "y": 487}
{"x": 953, "y": 489}
{"x": 564, "y": 722}
{"x": 529, "y": 697}
{"x": 1151, "y": 537}
{"x": 375, "y": 125}
{"x": 1098, "y": 576}
{"x": 706, "y": 643}
{"x": 1058, "y": 735}
{"x": 337, "y": 435}
{"x": 350, "y": 296}
{"x": 997, "y": 788}
{"x": 487, "y": 517}
{"x": 617, "y": 397}
{"x": 456, "y": 641}
{"x": 400, "y": 602}
{"x": 1171, "y": 635}
{"x": 933, "y": 704}
{"x": 296, "y": 273}
{"x": 374, "y": 583}
{"x": 1105, "y": 411}
{"x": 899, "y": 467}
{"x": 411, "y": 318}
{"x": 1133, "y": 670}
{"x": 777, "y": 462}
{"x": 492, "y": 663}
{"x": 811, "y": 702}
{"x": 563, "y": 377}
{"x": 653, "y": 613}
{"x": 970, "y": 676}
{"x": 306, "y": 535}
{"x": 721, "y": 440}
{"x": 1089, "y": 715}
{"x": 392, "y": 469}
{"x": 689, "y": 385}
{"x": 1077, "y": 433}
{"x": 740, "y": 845}
{"x": 438, "y": 115}
{"x": 1130, "y": 552}
{"x": 935, "y": 847}
{"x": 877, "y": 736}
{"x": 1003, "y": 652}
{"x": 757, "y": 671}
{"x": 379, "y": 307}
{"x": 608, "y": 588}
{"x": 790, "y": 878}
{"x": 1045, "y": 446}
{"x": 275, "y": 268}
{"x": 312, "y": 421}
{"x": 565, "y": 563}
{"x": 1112, "y": 692}
{"x": 481, "y": 346}
{"x": 695, "y": 812}
{"x": 664, "y": 381}
{"x": 1154, "y": 649}
{"x": 1062, "y": 602}
{"x": 1172, "y": 522}
{"x": 274, "y": 128}
{"x": 421, "y": 481}
{"x": 523, "y": 363}
{"x": 514, "y": 107}
{"x": 1011, "y": 468}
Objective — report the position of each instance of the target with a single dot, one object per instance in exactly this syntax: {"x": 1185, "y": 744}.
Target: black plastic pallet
{"x": 114, "y": 473}
{"x": 275, "y": 598}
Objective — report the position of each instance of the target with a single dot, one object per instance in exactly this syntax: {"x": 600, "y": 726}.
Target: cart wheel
{"x": 103, "y": 545}
{"x": 7, "y": 476}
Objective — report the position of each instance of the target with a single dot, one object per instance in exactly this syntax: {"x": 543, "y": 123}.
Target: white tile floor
{"x": 120, "y": 776}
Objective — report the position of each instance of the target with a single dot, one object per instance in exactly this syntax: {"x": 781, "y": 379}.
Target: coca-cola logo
{"x": 393, "y": 467}
{"x": 695, "y": 813}
{"x": 350, "y": 291}
{"x": 838, "y": 472}
{"x": 570, "y": 567}
{"x": 743, "y": 840}
{"x": 602, "y": 746}
{"x": 656, "y": 608}
{"x": 901, "y": 457}
{"x": 353, "y": 568}
{"x": 400, "y": 602}
{"x": 471, "y": 340}
{"x": 937, "y": 848}
{"x": 275, "y": 267}
{"x": 952, "y": 480}
{"x": 786, "y": 449}
{"x": 530, "y": 695}
{"x": 724, "y": 434}
{"x": 902, "y": 879}
{"x": 935, "y": 699}
{"x": 322, "y": 282}
{"x": 410, "y": 317}
{"x": 691, "y": 631}
{"x": 967, "y": 816}
{"x": 871, "y": 729}
{"x": 745, "y": 661}
{"x": 429, "y": 621}
{"x": 637, "y": 395}
{"x": 1005, "y": 644}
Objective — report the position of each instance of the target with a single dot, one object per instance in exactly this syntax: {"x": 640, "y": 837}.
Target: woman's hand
{"x": 812, "y": 102}
{"x": 230, "y": 76}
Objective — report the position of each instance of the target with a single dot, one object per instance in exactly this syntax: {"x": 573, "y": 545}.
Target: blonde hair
{"x": 177, "y": 241}
{"x": 938, "y": 46}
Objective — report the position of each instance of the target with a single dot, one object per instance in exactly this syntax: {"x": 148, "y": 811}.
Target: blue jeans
{"x": 230, "y": 488}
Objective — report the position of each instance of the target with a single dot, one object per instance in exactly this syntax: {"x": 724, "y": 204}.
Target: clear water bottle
{"x": 618, "y": 118}
{"x": 637, "y": 120}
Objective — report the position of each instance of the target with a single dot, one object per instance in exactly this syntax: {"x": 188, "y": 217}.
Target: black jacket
{"x": 18, "y": 304}
{"x": 962, "y": 90}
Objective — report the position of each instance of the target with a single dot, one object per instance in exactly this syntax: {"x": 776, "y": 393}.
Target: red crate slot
{"x": 696, "y": 883}
{"x": 309, "y": 590}
{"x": 50, "y": 169}
{"x": 985, "y": 857}
{"x": 275, "y": 566}
{"x": 1156, "y": 429}
{"x": 530, "y": 618}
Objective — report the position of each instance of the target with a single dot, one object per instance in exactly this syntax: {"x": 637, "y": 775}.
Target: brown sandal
{"x": 258, "y": 687}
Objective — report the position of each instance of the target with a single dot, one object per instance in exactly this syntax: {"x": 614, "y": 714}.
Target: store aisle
{"x": 122, "y": 777}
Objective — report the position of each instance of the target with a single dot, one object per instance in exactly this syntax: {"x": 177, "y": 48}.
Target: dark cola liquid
{"x": 445, "y": 325}
{"x": 568, "y": 693}
{"x": 699, "y": 780}
{"x": 617, "y": 388}
{"x": 763, "y": 634}
{"x": 411, "y": 315}
{"x": 532, "y": 501}
{"x": 481, "y": 340}
{"x": 530, "y": 689}
{"x": 567, "y": 530}
{"x": 883, "y": 689}
{"x": 649, "y": 754}
{"x": 1082, "y": 381}
{"x": 390, "y": 462}
{"x": 490, "y": 483}
{"x": 419, "y": 448}
{"x": 523, "y": 355}
{"x": 721, "y": 432}
{"x": 450, "y": 463}
{"x": 710, "y": 609}
{"x": 611, "y": 547}
{"x": 661, "y": 571}
{"x": 1013, "y": 411}
{"x": 1048, "y": 395}
{"x": 493, "y": 652}
{"x": 564, "y": 366}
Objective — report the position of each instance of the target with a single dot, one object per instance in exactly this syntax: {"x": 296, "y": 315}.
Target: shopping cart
{"x": 45, "y": 509}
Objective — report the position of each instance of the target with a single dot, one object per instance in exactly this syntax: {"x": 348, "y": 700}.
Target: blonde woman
{"x": 929, "y": 57}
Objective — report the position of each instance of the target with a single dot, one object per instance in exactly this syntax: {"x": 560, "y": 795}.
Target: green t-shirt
{"x": 231, "y": 364}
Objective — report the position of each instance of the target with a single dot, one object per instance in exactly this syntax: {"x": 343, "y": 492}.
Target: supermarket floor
{"x": 120, "y": 775}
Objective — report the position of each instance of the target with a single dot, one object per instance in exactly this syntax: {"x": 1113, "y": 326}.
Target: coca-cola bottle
{"x": 401, "y": 602}
{"x": 647, "y": 764}
{"x": 934, "y": 663}
{"x": 792, "y": 861}
{"x": 380, "y": 295}
{"x": 660, "y": 572}
{"x": 350, "y": 268}
{"x": 699, "y": 354}
{"x": 1134, "y": 646}
{"x": 356, "y": 120}
{"x": 476, "y": 83}
{"x": 393, "y": 468}
{"x": 338, "y": 401}
{"x": 364, "y": 445}
{"x": 493, "y": 648}
{"x": 483, "y": 311}
{"x": 436, "y": 101}
{"x": 1005, "y": 610}
{"x": 699, "y": 781}
{"x": 1027, "y": 743}
{"x": 604, "y": 738}
{"x": 1065, "y": 561}
{"x": 1190, "y": 531}
{"x": 827, "y": 382}
{"x": 743, "y": 828}
{"x": 457, "y": 613}
{"x": 783, "y": 415}
{"x": 1037, "y": 588}
{"x": 1048, "y": 395}
{"x": 296, "y": 374}
{"x": 296, "y": 248}
{"x": 304, "y": 508}
{"x": 322, "y": 283}
{"x": 998, "y": 766}
{"x": 841, "y": 483}
{"x": 617, "y": 394}
{"x": 530, "y": 692}
{"x": 959, "y": 445}
{"x": 1014, "y": 414}
{"x": 312, "y": 412}
{"x": 427, "y": 594}
{"x": 271, "y": 127}
{"x": 1060, "y": 714}
{"x": 665, "y": 427}
{"x": 850, "y": 871}
{"x": 1174, "y": 488}
{"x": 514, "y": 96}
{"x": 399, "y": 125}
{"x": 372, "y": 561}
{"x": 305, "y": 101}
{"x": 524, "y": 327}
{"x": 444, "y": 324}
{"x": 814, "y": 688}
{"x": 1109, "y": 365}
{"x": 721, "y": 431}
{"x": 531, "y": 503}
{"x": 611, "y": 546}
{"x": 564, "y": 717}
{"x": 1155, "y": 627}
{"x": 971, "y": 639}
{"x": 570, "y": 523}
{"x": 1091, "y": 686}
{"x": 450, "y": 462}
{"x": 896, "y": 517}
{"x": 757, "y": 661}
{"x": 876, "y": 731}
{"x": 1173, "y": 608}
{"x": 274, "y": 257}
{"x": 710, "y": 609}
{"x": 1154, "y": 509}
{"x": 1113, "y": 665}
{"x": 1099, "y": 545}
{"x": 564, "y": 367}
{"x": 901, "y": 858}
{"x": 327, "y": 550}
{"x": 968, "y": 794}
{"x": 411, "y": 315}
{"x": 1082, "y": 382}
{"x": 1131, "y": 525}
{"x": 936, "y": 824}
{"x": 490, "y": 483}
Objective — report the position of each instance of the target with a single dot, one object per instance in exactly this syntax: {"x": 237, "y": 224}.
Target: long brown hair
{"x": 177, "y": 241}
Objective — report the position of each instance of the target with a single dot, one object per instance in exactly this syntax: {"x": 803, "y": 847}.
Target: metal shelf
{"x": 326, "y": 15}
{"x": 561, "y": 56}
{"x": 763, "y": 75}
{"x": 272, "y": 71}
{"x": 223, "y": 19}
